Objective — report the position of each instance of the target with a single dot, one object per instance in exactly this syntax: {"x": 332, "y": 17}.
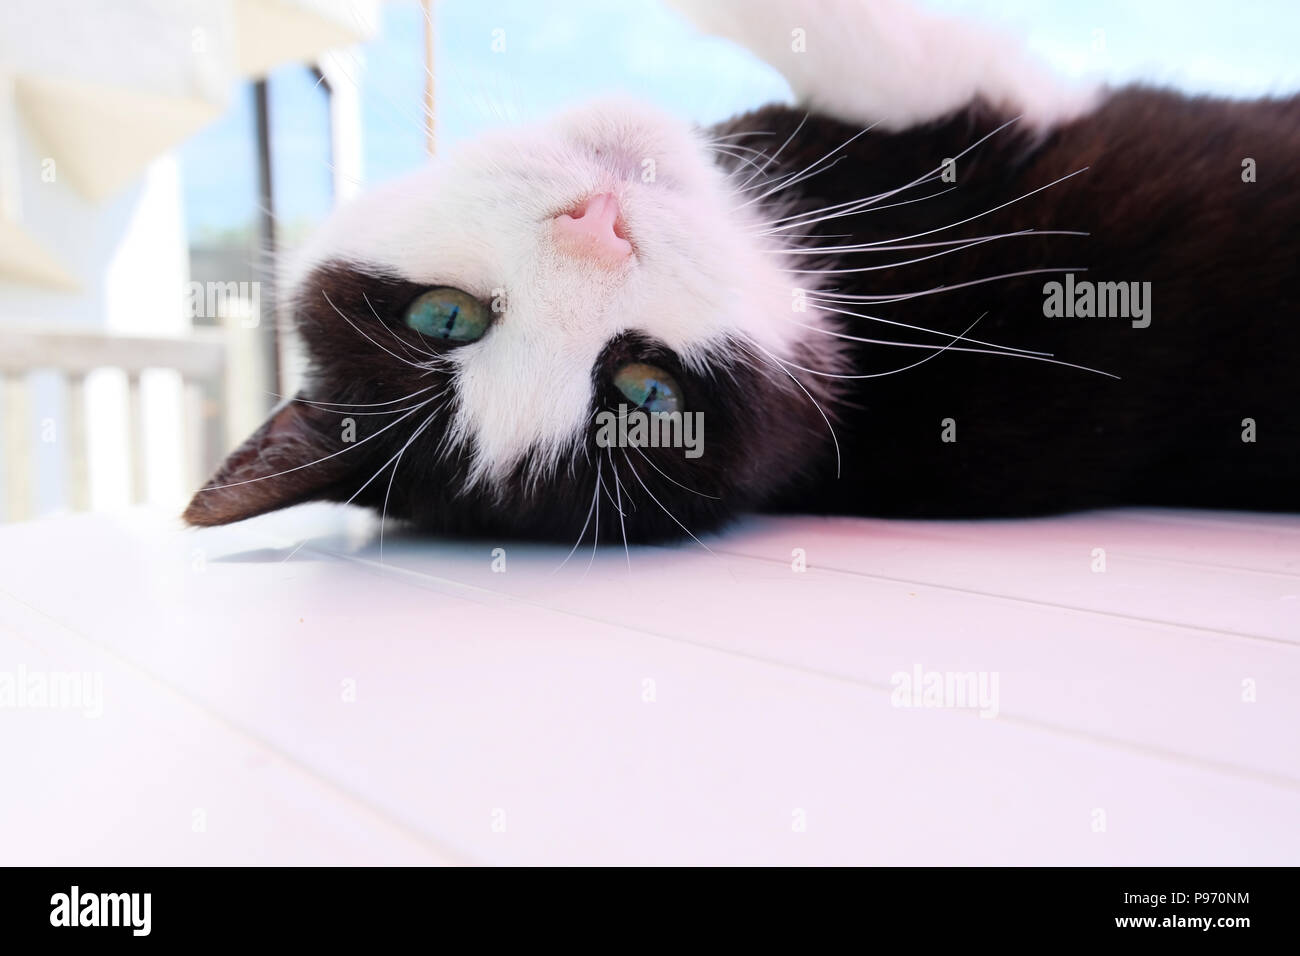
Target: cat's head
{"x": 466, "y": 326}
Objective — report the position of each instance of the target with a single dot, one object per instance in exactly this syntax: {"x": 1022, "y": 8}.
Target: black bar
{"x": 972, "y": 907}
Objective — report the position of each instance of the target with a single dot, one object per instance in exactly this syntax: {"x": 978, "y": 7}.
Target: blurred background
{"x": 158, "y": 158}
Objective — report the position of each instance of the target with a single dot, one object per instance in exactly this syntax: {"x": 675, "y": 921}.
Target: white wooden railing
{"x": 200, "y": 358}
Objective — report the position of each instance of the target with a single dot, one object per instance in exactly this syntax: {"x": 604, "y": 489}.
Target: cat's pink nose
{"x": 593, "y": 231}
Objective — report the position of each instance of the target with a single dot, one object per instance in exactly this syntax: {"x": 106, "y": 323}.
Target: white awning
{"x": 105, "y": 87}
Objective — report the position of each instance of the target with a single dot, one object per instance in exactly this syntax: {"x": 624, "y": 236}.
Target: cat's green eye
{"x": 648, "y": 388}
{"x": 448, "y": 314}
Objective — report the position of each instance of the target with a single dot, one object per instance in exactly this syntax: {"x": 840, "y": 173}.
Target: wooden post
{"x": 17, "y": 448}
{"x": 430, "y": 140}
{"x": 76, "y": 442}
{"x": 266, "y": 232}
{"x": 135, "y": 438}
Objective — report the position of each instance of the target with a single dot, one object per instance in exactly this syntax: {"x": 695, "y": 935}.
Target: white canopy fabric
{"x": 106, "y": 87}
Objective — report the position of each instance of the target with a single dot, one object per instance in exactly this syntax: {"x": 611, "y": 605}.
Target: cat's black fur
{"x": 1162, "y": 201}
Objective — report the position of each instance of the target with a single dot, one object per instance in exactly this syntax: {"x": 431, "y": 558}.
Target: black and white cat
{"x": 947, "y": 284}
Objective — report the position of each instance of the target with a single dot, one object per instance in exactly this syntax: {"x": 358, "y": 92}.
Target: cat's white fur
{"x": 479, "y": 218}
{"x": 891, "y": 62}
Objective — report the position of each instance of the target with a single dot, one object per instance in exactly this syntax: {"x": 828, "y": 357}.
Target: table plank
{"x": 485, "y": 698}
{"x": 154, "y": 780}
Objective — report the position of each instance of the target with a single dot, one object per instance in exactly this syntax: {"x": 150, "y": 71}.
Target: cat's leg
{"x": 891, "y": 62}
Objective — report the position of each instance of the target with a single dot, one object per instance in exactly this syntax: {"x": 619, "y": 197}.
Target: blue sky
{"x": 561, "y": 51}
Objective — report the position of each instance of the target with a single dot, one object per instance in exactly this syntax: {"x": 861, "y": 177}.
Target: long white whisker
{"x": 726, "y": 151}
{"x": 392, "y": 411}
{"x": 583, "y": 533}
{"x": 595, "y": 536}
{"x": 926, "y": 177}
{"x": 618, "y": 488}
{"x": 986, "y": 212}
{"x": 1033, "y": 357}
{"x": 383, "y": 517}
{"x": 873, "y": 247}
{"x": 903, "y": 297}
{"x": 1018, "y": 354}
{"x": 843, "y": 213}
{"x": 816, "y": 404}
{"x": 350, "y": 447}
{"x": 891, "y": 265}
{"x": 809, "y": 170}
{"x": 740, "y": 135}
{"x": 744, "y": 149}
{"x": 789, "y": 181}
{"x": 405, "y": 361}
{"x": 651, "y": 463}
{"x": 662, "y": 508}
{"x": 778, "y": 152}
{"x": 905, "y": 368}
{"x": 937, "y": 170}
{"x": 843, "y": 205}
{"x": 396, "y": 337}
{"x": 605, "y": 488}
{"x": 914, "y": 328}
{"x": 419, "y": 391}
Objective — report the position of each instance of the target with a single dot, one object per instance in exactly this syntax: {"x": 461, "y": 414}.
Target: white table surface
{"x": 503, "y": 718}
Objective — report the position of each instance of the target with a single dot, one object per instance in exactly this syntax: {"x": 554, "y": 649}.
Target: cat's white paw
{"x": 890, "y": 62}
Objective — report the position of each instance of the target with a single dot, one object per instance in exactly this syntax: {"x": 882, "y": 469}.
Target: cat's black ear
{"x": 290, "y": 459}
